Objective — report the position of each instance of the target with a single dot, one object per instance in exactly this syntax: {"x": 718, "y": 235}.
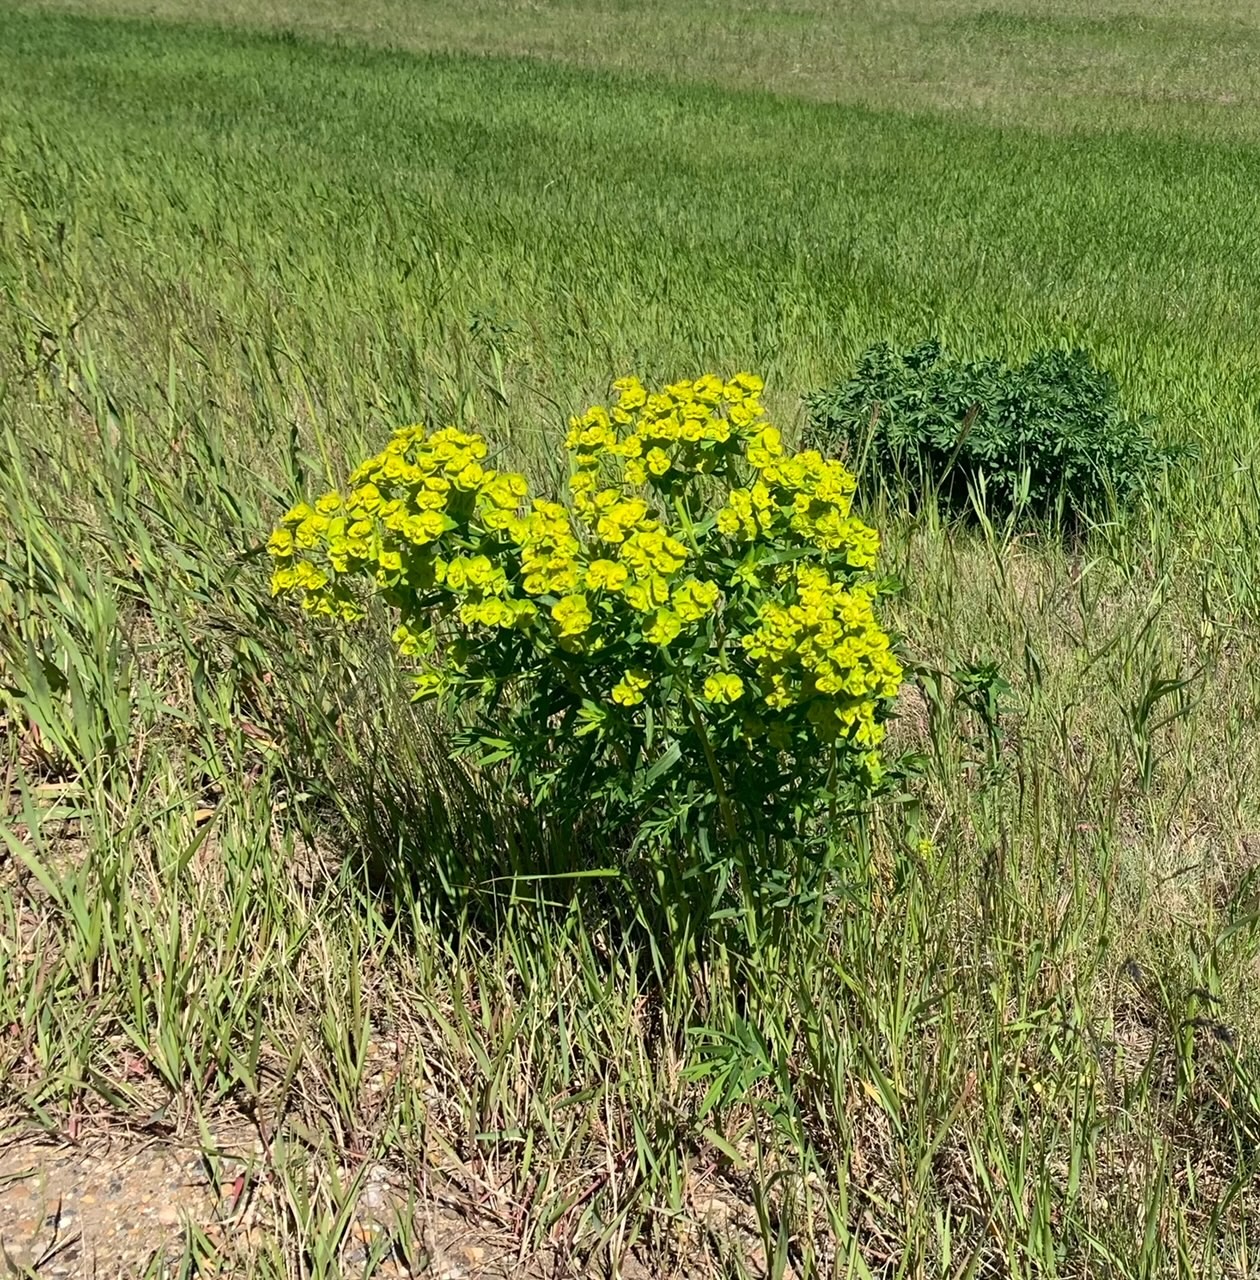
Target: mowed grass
{"x": 1155, "y": 66}
{"x": 244, "y": 887}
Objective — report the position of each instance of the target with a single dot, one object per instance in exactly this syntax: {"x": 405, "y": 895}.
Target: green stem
{"x": 724, "y": 804}
{"x": 687, "y": 523}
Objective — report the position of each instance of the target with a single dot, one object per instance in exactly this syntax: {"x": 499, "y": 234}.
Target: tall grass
{"x": 228, "y": 264}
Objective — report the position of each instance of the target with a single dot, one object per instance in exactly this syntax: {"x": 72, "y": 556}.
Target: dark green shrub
{"x": 1044, "y": 438}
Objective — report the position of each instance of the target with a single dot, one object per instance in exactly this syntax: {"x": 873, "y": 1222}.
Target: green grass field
{"x": 233, "y": 256}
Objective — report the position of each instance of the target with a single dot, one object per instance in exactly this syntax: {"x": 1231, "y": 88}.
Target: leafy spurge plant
{"x": 687, "y": 652}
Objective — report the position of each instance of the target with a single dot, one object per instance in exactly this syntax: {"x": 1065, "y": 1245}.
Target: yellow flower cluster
{"x": 549, "y": 550}
{"x": 400, "y": 502}
{"x": 628, "y": 691}
{"x": 823, "y": 648}
{"x": 689, "y": 428}
{"x": 724, "y": 686}
{"x": 572, "y": 615}
{"x": 804, "y": 498}
{"x": 770, "y": 582}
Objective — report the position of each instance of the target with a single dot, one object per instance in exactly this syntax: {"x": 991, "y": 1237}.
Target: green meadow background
{"x": 238, "y": 243}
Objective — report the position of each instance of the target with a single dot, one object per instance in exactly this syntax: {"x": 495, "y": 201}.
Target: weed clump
{"x": 687, "y": 651}
{"x": 1048, "y": 438}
